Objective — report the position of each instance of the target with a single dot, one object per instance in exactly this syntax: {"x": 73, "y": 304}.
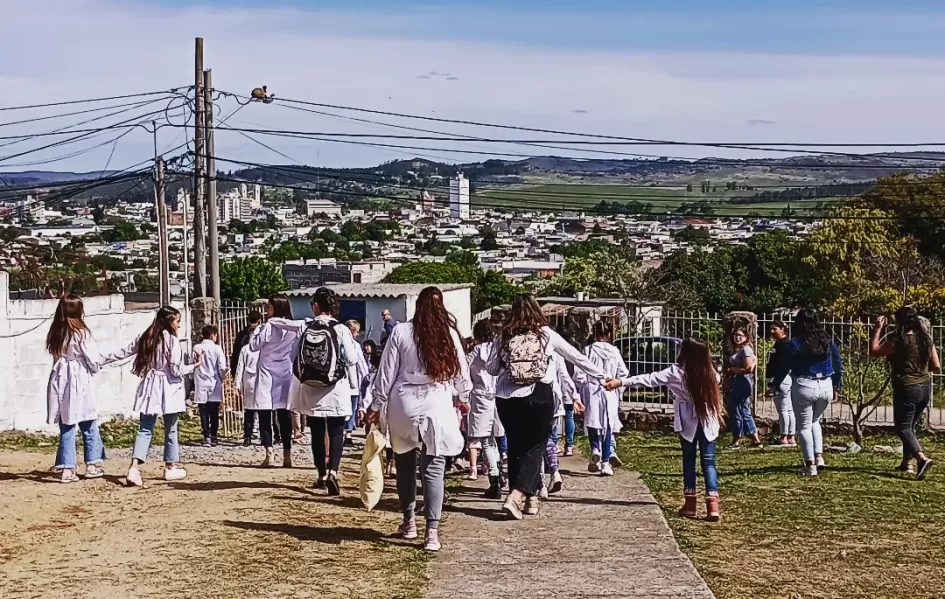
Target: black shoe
{"x": 247, "y": 442}
{"x": 214, "y": 442}
{"x": 495, "y": 488}
{"x": 319, "y": 484}
{"x": 923, "y": 469}
{"x": 331, "y": 483}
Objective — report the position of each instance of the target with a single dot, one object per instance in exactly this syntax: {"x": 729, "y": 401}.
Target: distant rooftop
{"x": 375, "y": 289}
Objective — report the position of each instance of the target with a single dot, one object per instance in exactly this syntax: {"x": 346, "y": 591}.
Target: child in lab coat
{"x": 208, "y": 383}
{"x": 69, "y": 400}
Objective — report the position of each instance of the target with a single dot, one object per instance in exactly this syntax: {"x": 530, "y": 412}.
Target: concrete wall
{"x": 25, "y": 365}
{"x": 459, "y": 304}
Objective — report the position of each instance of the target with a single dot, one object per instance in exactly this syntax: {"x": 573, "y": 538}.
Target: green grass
{"x": 116, "y": 433}
{"x": 577, "y": 196}
{"x": 858, "y": 530}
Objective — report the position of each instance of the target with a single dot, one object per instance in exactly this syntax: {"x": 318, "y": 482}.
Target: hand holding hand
{"x": 578, "y": 407}
{"x": 372, "y": 417}
{"x": 463, "y": 407}
{"x": 613, "y": 384}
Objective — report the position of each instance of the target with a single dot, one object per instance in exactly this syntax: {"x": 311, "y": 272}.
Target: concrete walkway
{"x": 598, "y": 538}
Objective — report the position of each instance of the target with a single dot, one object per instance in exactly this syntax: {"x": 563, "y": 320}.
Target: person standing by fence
{"x": 787, "y": 423}
{"x": 208, "y": 383}
{"x": 912, "y": 356}
{"x": 242, "y": 341}
{"x": 741, "y": 368}
{"x": 69, "y": 402}
{"x": 814, "y": 363}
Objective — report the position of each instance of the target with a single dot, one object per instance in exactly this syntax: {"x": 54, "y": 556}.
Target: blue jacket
{"x": 800, "y": 364}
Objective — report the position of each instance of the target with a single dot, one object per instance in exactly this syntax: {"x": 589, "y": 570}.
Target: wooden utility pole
{"x": 200, "y": 224}
{"x": 161, "y": 208}
{"x": 211, "y": 193}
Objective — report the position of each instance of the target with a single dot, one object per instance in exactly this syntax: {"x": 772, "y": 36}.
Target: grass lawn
{"x": 116, "y": 434}
{"x": 858, "y": 530}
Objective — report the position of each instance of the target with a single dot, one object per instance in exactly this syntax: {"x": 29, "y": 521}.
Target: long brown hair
{"x": 525, "y": 316}
{"x": 153, "y": 339}
{"x": 695, "y": 358}
{"x": 433, "y": 330}
{"x": 281, "y": 307}
{"x": 67, "y": 321}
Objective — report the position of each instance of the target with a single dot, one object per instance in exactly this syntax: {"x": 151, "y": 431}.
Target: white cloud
{"x": 65, "y": 49}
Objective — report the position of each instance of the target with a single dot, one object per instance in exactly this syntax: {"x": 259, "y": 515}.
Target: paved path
{"x": 599, "y": 538}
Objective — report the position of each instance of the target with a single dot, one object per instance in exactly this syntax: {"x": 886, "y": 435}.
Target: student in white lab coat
{"x": 423, "y": 368}
{"x": 483, "y": 424}
{"x": 694, "y": 385}
{"x": 240, "y": 374}
{"x": 326, "y": 409}
{"x": 276, "y": 347}
{"x": 208, "y": 383}
{"x": 159, "y": 362}
{"x": 564, "y": 388}
{"x": 602, "y": 406}
{"x": 69, "y": 400}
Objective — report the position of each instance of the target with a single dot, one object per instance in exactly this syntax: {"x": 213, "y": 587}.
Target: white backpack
{"x": 524, "y": 358}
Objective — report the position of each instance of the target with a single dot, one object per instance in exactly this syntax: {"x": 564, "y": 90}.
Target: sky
{"x": 839, "y": 71}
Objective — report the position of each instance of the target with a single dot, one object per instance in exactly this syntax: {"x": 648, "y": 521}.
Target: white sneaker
{"x": 594, "y": 465}
{"x": 556, "y": 483}
{"x": 821, "y": 463}
{"x": 133, "y": 478}
{"x": 606, "y": 469}
{"x": 568, "y": 451}
{"x": 808, "y": 470}
{"x": 177, "y": 473}
{"x": 473, "y": 475}
{"x": 543, "y": 494}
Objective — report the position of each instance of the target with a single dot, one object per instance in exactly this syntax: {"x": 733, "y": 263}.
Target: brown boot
{"x": 268, "y": 461}
{"x": 712, "y": 508}
{"x": 286, "y": 458}
{"x": 689, "y": 509}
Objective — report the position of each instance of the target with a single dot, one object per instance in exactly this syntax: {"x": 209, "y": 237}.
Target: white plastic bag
{"x": 371, "y": 485}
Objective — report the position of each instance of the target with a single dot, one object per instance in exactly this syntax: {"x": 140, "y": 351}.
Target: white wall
{"x": 459, "y": 304}
{"x": 25, "y": 365}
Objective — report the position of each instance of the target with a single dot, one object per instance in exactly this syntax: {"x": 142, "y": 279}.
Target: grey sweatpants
{"x": 433, "y": 472}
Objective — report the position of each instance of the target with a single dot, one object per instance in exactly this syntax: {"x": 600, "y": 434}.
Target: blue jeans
{"x": 741, "y": 423}
{"x": 601, "y": 442}
{"x": 569, "y": 425}
{"x": 146, "y": 431}
{"x": 93, "y": 450}
{"x": 503, "y": 444}
{"x": 706, "y": 449}
{"x": 352, "y": 422}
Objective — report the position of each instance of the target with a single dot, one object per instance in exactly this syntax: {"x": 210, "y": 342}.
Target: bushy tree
{"x": 247, "y": 279}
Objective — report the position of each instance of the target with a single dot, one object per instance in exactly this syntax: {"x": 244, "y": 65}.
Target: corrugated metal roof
{"x": 349, "y": 290}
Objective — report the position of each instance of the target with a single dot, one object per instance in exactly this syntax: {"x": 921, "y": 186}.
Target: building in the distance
{"x": 31, "y": 208}
{"x": 301, "y": 273}
{"x": 319, "y": 206}
{"x": 459, "y": 197}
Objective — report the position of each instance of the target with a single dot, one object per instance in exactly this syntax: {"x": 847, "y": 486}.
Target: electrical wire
{"x": 92, "y": 100}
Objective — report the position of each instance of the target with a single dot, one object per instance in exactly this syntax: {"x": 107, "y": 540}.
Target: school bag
{"x": 321, "y": 361}
{"x": 524, "y": 359}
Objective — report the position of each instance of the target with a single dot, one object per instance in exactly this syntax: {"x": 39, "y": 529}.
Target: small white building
{"x": 317, "y": 206}
{"x": 365, "y": 303}
{"x": 459, "y": 197}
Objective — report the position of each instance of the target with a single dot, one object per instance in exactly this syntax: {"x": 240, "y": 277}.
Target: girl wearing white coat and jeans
{"x": 423, "y": 368}
{"x": 483, "y": 425}
{"x": 602, "y": 406}
{"x": 68, "y": 399}
{"x": 276, "y": 347}
{"x": 327, "y": 409}
{"x": 159, "y": 361}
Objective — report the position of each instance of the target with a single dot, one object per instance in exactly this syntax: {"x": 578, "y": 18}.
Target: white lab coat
{"x": 209, "y": 374}
{"x": 420, "y": 411}
{"x": 68, "y": 400}
{"x": 602, "y": 407}
{"x": 161, "y": 391}
{"x": 276, "y": 347}
{"x": 245, "y": 376}
{"x": 483, "y": 420}
{"x": 563, "y": 387}
{"x": 325, "y": 402}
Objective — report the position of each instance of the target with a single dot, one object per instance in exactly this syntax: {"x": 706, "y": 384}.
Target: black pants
{"x": 528, "y": 422}
{"x": 283, "y": 419}
{"x": 210, "y": 419}
{"x": 909, "y": 402}
{"x": 249, "y": 420}
{"x": 335, "y": 427}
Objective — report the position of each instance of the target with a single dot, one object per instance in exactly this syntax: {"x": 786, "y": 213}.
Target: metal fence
{"x": 649, "y": 344}
{"x": 232, "y": 318}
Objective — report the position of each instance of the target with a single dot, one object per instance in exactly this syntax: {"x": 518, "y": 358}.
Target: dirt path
{"x": 600, "y": 537}
{"x": 228, "y": 530}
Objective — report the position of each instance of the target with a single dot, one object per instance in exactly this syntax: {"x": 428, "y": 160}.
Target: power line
{"x": 92, "y": 100}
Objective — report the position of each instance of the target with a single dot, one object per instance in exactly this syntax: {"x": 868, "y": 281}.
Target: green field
{"x": 560, "y": 197}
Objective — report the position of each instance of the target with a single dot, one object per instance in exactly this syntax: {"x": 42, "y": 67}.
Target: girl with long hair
{"x": 740, "y": 367}
{"x": 601, "y": 405}
{"x": 274, "y": 377}
{"x": 159, "y": 362}
{"x": 423, "y": 368}
{"x": 814, "y": 364}
{"x": 694, "y": 384}
{"x": 912, "y": 356}
{"x": 521, "y": 359}
{"x": 69, "y": 401}
{"x": 328, "y": 408}
{"x": 781, "y": 394}
{"x": 483, "y": 425}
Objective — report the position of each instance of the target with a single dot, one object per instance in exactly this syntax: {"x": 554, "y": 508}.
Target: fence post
{"x": 203, "y": 311}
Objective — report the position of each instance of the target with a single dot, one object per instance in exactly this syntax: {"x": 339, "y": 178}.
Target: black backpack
{"x": 321, "y": 361}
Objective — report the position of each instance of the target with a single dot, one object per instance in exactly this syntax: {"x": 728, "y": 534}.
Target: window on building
{"x": 357, "y": 277}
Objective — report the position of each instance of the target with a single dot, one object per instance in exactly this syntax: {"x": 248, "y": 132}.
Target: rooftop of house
{"x": 349, "y": 290}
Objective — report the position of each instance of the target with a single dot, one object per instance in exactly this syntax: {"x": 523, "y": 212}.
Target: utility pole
{"x": 200, "y": 225}
{"x": 212, "y": 208}
{"x": 161, "y": 212}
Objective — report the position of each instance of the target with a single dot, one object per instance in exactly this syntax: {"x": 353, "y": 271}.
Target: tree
{"x": 247, "y": 279}
{"x": 468, "y": 243}
{"x": 493, "y": 289}
{"x": 463, "y": 258}
{"x": 429, "y": 273}
{"x": 121, "y": 231}
{"x": 917, "y": 207}
{"x": 490, "y": 288}
{"x": 489, "y": 242}
{"x": 701, "y": 280}
{"x": 770, "y": 273}
{"x": 603, "y": 275}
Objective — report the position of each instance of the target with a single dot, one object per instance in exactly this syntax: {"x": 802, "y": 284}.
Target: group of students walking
{"x": 511, "y": 383}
